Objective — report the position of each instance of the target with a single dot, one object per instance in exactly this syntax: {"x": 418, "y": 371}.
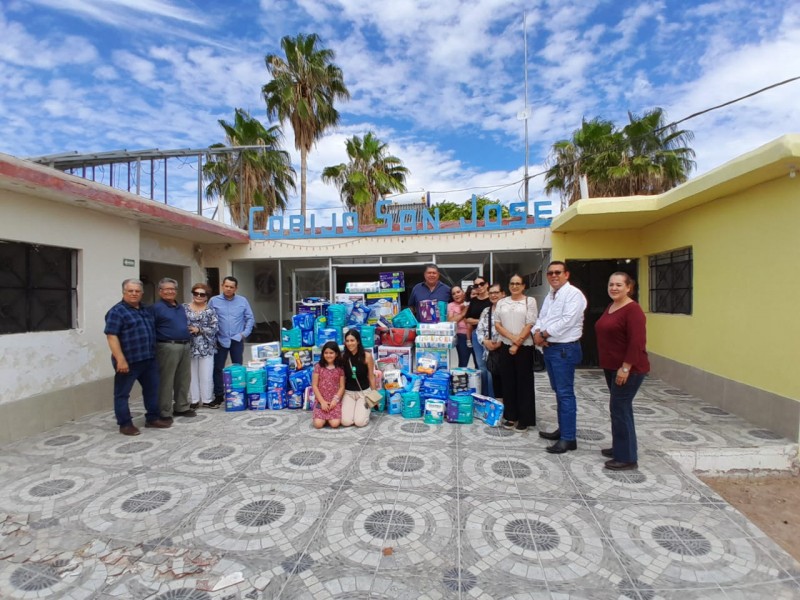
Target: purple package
{"x": 428, "y": 311}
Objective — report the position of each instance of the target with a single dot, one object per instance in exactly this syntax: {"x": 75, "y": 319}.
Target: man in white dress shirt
{"x": 558, "y": 330}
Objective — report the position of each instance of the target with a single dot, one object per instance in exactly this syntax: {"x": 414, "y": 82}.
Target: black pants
{"x": 519, "y": 395}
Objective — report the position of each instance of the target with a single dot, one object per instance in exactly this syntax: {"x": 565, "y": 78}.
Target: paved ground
{"x": 259, "y": 505}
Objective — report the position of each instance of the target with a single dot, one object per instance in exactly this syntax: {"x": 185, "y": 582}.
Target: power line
{"x": 656, "y": 130}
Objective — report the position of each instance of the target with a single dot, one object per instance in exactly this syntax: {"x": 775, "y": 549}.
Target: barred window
{"x": 38, "y": 287}
{"x": 671, "y": 282}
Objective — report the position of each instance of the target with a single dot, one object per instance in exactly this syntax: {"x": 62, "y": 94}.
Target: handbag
{"x": 371, "y": 397}
{"x": 398, "y": 336}
{"x": 492, "y": 356}
{"x": 493, "y": 362}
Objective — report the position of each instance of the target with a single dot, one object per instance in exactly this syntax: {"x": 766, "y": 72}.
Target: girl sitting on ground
{"x": 327, "y": 381}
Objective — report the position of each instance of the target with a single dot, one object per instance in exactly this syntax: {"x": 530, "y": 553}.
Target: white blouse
{"x": 513, "y": 315}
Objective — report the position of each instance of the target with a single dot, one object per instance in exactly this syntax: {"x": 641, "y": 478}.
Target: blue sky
{"x": 441, "y": 81}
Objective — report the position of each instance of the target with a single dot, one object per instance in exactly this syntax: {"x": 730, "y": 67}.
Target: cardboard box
{"x": 392, "y": 280}
{"x": 390, "y": 301}
{"x": 343, "y": 298}
{"x": 265, "y": 351}
{"x": 403, "y": 354}
{"x": 442, "y": 354}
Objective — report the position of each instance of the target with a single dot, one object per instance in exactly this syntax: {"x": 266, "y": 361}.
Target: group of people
{"x": 340, "y": 380}
{"x": 176, "y": 351}
{"x": 501, "y": 331}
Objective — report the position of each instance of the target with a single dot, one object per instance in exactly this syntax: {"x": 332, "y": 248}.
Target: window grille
{"x": 38, "y": 287}
{"x": 671, "y": 282}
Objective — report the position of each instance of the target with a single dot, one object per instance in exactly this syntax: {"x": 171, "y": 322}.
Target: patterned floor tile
{"x": 257, "y": 505}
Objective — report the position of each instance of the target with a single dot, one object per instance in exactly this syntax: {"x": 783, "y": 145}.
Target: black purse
{"x": 492, "y": 356}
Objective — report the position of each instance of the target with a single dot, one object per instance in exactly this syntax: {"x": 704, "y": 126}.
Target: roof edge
{"x": 742, "y": 172}
{"x": 70, "y": 188}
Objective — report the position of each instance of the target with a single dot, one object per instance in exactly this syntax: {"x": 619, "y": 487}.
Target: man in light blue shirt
{"x": 236, "y": 322}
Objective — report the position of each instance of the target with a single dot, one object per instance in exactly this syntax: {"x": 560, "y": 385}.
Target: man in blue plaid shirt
{"x": 131, "y": 334}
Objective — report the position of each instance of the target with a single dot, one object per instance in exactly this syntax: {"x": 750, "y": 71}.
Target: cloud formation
{"x": 441, "y": 82}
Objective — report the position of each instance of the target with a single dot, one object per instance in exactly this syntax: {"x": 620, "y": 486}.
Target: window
{"x": 38, "y": 287}
{"x": 671, "y": 282}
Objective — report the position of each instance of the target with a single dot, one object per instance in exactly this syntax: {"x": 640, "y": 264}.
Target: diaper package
{"x": 434, "y": 412}
{"x": 487, "y": 409}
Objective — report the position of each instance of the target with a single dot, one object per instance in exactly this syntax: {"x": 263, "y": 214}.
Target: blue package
{"x": 304, "y": 321}
{"x": 235, "y": 400}
{"x": 395, "y": 404}
{"x": 307, "y": 337}
{"x": 291, "y": 338}
{"x": 275, "y": 398}
{"x": 294, "y": 400}
{"x": 257, "y": 401}
{"x": 300, "y": 380}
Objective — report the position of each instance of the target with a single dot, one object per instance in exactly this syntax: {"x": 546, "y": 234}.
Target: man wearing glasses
{"x": 558, "y": 330}
{"x": 173, "y": 352}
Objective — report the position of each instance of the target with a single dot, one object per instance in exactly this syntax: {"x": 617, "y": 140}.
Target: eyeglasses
{"x": 199, "y": 294}
{"x": 551, "y": 273}
{"x": 481, "y": 284}
{"x": 494, "y": 291}
{"x": 517, "y": 282}
{"x": 168, "y": 290}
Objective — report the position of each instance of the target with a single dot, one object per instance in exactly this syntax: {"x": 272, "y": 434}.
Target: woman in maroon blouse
{"x": 621, "y": 337}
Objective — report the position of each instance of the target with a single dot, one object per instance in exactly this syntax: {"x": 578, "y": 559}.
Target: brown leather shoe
{"x": 159, "y": 423}
{"x": 129, "y": 429}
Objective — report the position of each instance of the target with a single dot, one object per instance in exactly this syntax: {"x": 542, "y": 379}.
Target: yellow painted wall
{"x": 745, "y": 324}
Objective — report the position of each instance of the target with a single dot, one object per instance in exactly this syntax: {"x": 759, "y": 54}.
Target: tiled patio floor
{"x": 259, "y": 505}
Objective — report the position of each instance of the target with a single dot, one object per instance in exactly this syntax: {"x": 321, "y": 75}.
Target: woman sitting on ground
{"x": 359, "y": 377}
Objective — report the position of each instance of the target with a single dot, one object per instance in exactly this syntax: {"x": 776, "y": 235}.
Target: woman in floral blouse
{"x": 202, "y": 321}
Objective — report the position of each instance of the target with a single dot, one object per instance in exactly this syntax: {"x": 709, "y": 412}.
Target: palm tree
{"x": 303, "y": 90}
{"x": 645, "y": 157}
{"x": 593, "y": 149}
{"x": 658, "y": 157}
{"x": 253, "y": 177}
{"x": 369, "y": 174}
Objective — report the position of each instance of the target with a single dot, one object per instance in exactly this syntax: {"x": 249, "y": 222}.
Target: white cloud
{"x": 424, "y": 75}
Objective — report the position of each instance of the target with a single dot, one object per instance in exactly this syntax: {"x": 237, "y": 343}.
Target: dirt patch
{"x": 771, "y": 501}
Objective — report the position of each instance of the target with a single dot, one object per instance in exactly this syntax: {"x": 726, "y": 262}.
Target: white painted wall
{"x": 35, "y": 363}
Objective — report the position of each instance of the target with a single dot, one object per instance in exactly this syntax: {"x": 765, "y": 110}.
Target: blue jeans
{"x": 462, "y": 350}
{"x": 560, "y": 361}
{"x": 487, "y": 389}
{"x": 220, "y": 358}
{"x": 146, "y": 373}
{"x": 623, "y": 430}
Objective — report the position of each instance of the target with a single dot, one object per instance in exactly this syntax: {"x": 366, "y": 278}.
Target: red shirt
{"x": 621, "y": 337}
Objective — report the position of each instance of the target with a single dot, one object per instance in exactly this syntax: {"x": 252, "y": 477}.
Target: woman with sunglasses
{"x": 203, "y": 325}
{"x": 514, "y": 317}
{"x": 477, "y": 304}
